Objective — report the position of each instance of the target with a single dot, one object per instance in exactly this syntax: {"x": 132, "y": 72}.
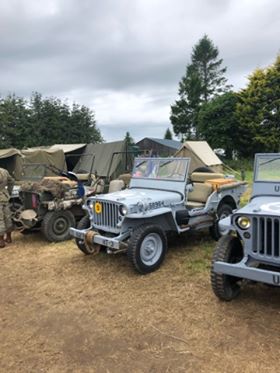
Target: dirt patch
{"x": 62, "y": 311}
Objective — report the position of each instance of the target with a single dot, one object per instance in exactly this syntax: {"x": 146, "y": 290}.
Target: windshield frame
{"x": 262, "y": 160}
{"x": 157, "y": 163}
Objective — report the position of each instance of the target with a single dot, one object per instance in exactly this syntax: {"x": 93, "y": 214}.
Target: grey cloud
{"x": 135, "y": 47}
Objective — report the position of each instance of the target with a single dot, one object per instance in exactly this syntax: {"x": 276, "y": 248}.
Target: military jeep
{"x": 161, "y": 198}
{"x": 51, "y": 204}
{"x": 250, "y": 246}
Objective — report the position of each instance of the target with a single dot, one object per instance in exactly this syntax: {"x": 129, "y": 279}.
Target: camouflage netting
{"x": 55, "y": 187}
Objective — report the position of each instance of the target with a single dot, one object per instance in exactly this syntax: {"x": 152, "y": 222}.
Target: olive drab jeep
{"x": 162, "y": 197}
{"x": 250, "y": 246}
{"x": 51, "y": 205}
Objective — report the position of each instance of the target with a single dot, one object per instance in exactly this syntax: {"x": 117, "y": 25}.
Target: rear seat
{"x": 201, "y": 190}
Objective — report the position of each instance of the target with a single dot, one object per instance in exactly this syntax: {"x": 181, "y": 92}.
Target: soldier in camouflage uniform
{"x": 6, "y": 225}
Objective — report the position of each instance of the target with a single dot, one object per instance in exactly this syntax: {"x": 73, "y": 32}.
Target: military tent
{"x": 201, "y": 155}
{"x": 72, "y": 153}
{"x": 106, "y": 159}
{"x": 11, "y": 160}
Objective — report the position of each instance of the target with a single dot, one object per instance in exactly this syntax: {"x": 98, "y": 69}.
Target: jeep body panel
{"x": 244, "y": 270}
{"x": 260, "y": 234}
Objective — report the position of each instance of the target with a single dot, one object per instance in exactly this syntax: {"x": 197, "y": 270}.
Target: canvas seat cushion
{"x": 201, "y": 177}
{"x": 199, "y": 194}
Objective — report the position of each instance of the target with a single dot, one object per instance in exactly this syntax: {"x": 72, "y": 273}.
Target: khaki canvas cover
{"x": 50, "y": 157}
{"x": 109, "y": 159}
{"x": 14, "y": 160}
{"x": 68, "y": 148}
{"x": 11, "y": 160}
{"x": 72, "y": 153}
{"x": 201, "y": 155}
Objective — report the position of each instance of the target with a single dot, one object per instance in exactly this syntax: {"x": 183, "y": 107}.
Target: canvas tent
{"x": 201, "y": 155}
{"x": 15, "y": 162}
{"x": 110, "y": 159}
{"x": 11, "y": 160}
{"x": 72, "y": 153}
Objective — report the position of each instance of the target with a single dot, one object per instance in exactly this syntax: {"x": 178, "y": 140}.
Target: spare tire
{"x": 203, "y": 169}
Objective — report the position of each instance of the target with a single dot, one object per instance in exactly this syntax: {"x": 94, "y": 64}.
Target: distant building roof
{"x": 170, "y": 143}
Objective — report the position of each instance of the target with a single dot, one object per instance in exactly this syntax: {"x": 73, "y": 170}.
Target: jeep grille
{"x": 108, "y": 218}
{"x": 30, "y": 200}
{"x": 266, "y": 234}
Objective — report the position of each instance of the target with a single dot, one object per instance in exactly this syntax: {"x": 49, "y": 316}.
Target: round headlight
{"x": 123, "y": 210}
{"x": 243, "y": 222}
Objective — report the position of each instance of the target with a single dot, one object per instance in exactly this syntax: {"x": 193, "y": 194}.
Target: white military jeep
{"x": 161, "y": 198}
{"x": 249, "y": 248}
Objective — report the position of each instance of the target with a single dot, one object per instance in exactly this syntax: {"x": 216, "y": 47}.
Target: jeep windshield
{"x": 267, "y": 167}
{"x": 33, "y": 171}
{"x": 161, "y": 169}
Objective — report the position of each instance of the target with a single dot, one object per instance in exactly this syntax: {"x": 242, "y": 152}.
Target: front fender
{"x": 225, "y": 226}
{"x": 164, "y": 219}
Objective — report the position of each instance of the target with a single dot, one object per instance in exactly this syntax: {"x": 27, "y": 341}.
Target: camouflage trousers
{"x": 5, "y": 218}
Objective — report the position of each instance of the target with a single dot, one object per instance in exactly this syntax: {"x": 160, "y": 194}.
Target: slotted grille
{"x": 266, "y": 234}
{"x": 108, "y": 217}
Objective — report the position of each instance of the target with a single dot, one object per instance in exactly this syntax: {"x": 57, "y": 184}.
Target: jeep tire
{"x": 229, "y": 250}
{"x": 84, "y": 223}
{"x": 223, "y": 211}
{"x": 56, "y": 224}
{"x": 147, "y": 247}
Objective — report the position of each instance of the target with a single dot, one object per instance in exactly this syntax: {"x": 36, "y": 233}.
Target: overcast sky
{"x": 124, "y": 58}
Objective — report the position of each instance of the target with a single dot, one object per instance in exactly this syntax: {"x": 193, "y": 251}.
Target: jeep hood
{"x": 262, "y": 206}
{"x": 134, "y": 195}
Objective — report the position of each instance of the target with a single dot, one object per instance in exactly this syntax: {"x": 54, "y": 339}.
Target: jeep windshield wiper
{"x": 269, "y": 161}
{"x": 140, "y": 164}
{"x": 165, "y": 163}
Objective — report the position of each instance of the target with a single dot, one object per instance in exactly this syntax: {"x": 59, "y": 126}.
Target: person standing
{"x": 6, "y": 224}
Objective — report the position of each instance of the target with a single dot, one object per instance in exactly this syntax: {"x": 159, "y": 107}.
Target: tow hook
{"x": 90, "y": 245}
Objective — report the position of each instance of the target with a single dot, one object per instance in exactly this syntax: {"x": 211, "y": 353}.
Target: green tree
{"x": 129, "y": 140}
{"x": 14, "y": 119}
{"x": 83, "y": 126}
{"x": 209, "y": 68}
{"x": 204, "y": 79}
{"x": 45, "y": 121}
{"x": 218, "y": 122}
{"x": 49, "y": 121}
{"x": 259, "y": 112}
{"x": 184, "y": 111}
{"x": 168, "y": 134}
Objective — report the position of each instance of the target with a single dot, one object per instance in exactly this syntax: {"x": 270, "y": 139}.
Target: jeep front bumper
{"x": 242, "y": 270}
{"x": 112, "y": 243}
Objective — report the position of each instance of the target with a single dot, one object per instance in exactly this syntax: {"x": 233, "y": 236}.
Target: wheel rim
{"x": 60, "y": 225}
{"x": 151, "y": 249}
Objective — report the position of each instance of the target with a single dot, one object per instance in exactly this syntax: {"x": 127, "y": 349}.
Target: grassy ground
{"x": 64, "y": 312}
